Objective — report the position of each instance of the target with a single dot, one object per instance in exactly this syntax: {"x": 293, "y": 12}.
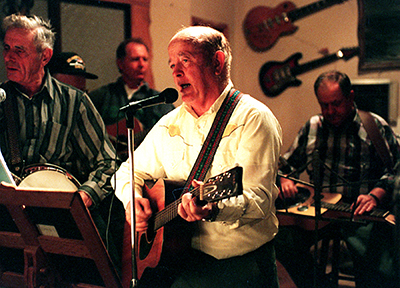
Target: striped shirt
{"x": 349, "y": 157}
{"x": 60, "y": 126}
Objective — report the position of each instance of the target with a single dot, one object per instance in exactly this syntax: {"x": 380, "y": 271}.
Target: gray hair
{"x": 208, "y": 41}
{"x": 44, "y": 35}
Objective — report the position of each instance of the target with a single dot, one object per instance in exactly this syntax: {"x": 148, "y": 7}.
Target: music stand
{"x": 396, "y": 200}
{"x": 57, "y": 238}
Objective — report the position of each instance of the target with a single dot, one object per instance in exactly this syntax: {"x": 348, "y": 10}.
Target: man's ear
{"x": 46, "y": 56}
{"x": 219, "y": 62}
{"x": 351, "y": 95}
{"x": 120, "y": 63}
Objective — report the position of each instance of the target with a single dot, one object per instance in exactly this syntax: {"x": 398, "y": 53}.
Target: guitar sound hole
{"x": 302, "y": 208}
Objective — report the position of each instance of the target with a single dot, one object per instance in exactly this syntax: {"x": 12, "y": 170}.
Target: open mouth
{"x": 184, "y": 86}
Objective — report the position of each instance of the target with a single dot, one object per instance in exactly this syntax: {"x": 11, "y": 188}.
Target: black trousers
{"x": 254, "y": 269}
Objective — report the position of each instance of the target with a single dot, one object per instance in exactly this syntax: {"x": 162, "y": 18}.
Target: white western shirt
{"x": 252, "y": 139}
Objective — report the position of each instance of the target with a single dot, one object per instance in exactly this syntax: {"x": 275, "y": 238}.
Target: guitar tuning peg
{"x": 324, "y": 51}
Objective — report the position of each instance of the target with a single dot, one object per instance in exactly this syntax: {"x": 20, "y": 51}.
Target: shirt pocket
{"x": 54, "y": 143}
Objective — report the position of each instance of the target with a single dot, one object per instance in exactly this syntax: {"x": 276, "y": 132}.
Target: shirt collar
{"x": 131, "y": 92}
{"x": 47, "y": 86}
{"x": 351, "y": 118}
{"x": 216, "y": 105}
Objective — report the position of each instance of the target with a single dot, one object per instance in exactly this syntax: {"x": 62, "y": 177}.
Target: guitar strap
{"x": 214, "y": 136}
{"x": 16, "y": 159}
{"x": 376, "y": 138}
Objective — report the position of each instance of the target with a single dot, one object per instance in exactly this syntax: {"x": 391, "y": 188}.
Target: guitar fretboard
{"x": 166, "y": 215}
{"x": 311, "y": 8}
{"x": 346, "y": 208}
{"x": 225, "y": 185}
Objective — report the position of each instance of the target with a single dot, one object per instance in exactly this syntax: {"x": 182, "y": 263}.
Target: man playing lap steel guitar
{"x": 44, "y": 121}
{"x": 232, "y": 238}
{"x": 348, "y": 156}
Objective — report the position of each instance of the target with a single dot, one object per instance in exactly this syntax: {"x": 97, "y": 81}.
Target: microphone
{"x": 2, "y": 95}
{"x": 169, "y": 95}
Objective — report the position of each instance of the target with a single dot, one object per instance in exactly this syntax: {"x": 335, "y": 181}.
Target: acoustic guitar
{"x": 275, "y": 77}
{"x": 168, "y": 236}
{"x": 302, "y": 212}
{"x": 264, "y": 25}
{"x": 118, "y": 134}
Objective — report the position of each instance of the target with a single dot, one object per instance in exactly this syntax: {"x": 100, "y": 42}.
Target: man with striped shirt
{"x": 55, "y": 124}
{"x": 350, "y": 165}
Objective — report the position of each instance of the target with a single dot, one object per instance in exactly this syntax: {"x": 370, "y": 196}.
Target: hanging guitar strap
{"x": 376, "y": 138}
{"x": 16, "y": 159}
{"x": 213, "y": 139}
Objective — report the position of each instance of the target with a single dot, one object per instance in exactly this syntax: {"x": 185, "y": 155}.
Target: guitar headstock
{"x": 225, "y": 185}
{"x": 347, "y": 53}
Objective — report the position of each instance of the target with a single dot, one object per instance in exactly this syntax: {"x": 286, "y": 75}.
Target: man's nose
{"x": 8, "y": 55}
{"x": 177, "y": 71}
{"x": 142, "y": 62}
{"x": 331, "y": 110}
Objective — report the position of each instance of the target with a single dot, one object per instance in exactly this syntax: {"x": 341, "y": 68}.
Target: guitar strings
{"x": 170, "y": 211}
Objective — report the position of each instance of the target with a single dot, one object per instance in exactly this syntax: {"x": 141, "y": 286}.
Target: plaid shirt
{"x": 60, "y": 126}
{"x": 348, "y": 156}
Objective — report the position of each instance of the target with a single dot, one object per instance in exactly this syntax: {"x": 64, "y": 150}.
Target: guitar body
{"x": 264, "y": 25}
{"x": 168, "y": 237}
{"x": 118, "y": 134}
{"x": 167, "y": 243}
{"x": 305, "y": 219}
{"x": 303, "y": 214}
{"x": 119, "y": 128}
{"x": 275, "y": 77}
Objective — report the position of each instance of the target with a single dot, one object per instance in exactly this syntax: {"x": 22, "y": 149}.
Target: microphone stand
{"x": 295, "y": 180}
{"x": 317, "y": 202}
{"x": 131, "y": 147}
{"x": 316, "y": 162}
{"x": 396, "y": 200}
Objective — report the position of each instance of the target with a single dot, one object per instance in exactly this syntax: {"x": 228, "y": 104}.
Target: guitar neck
{"x": 171, "y": 210}
{"x": 311, "y": 8}
{"x": 300, "y": 69}
{"x": 225, "y": 185}
{"x": 345, "y": 208}
{"x": 166, "y": 215}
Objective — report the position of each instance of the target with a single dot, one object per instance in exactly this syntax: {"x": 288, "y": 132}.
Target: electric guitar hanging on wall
{"x": 264, "y": 25}
{"x": 275, "y": 77}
